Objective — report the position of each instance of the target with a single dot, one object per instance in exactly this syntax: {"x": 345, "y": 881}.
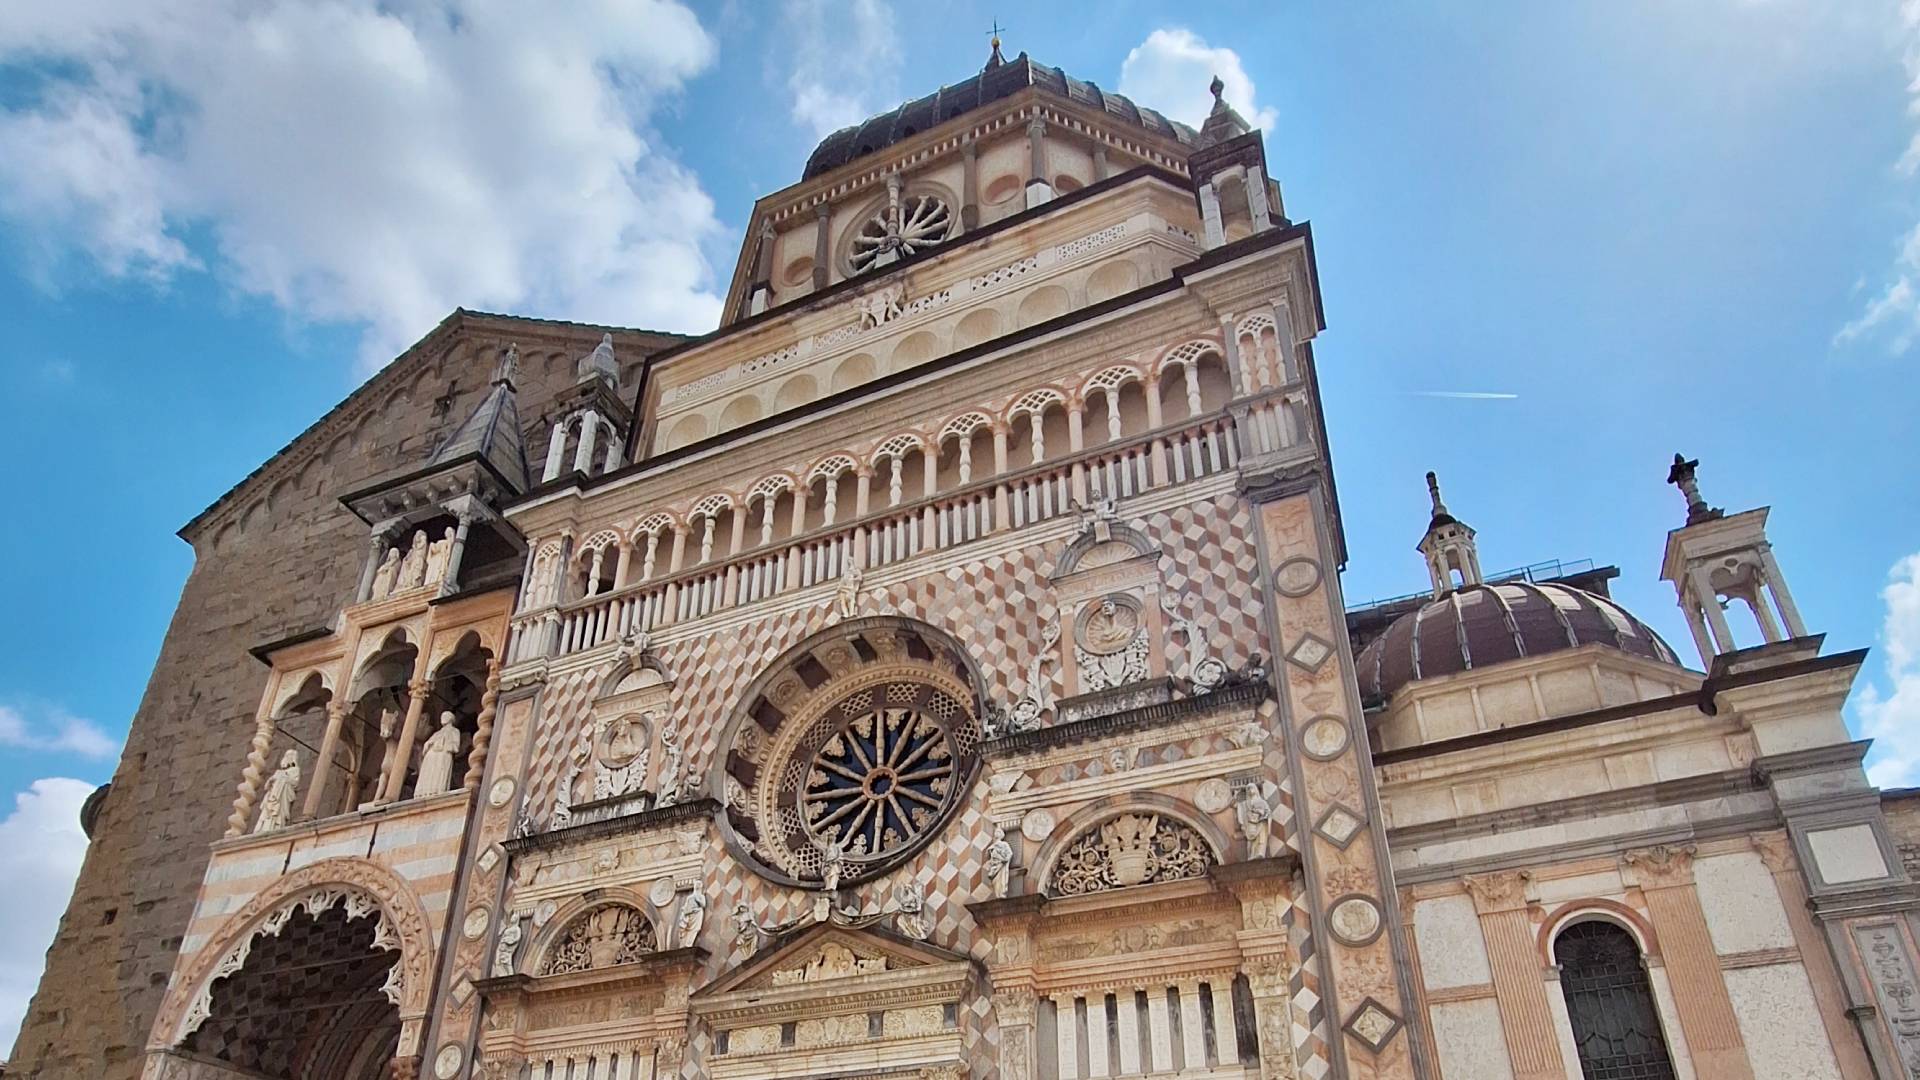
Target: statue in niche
{"x": 389, "y": 739}
{"x": 508, "y": 944}
{"x": 833, "y": 864}
{"x": 436, "y": 759}
{"x": 846, "y": 597}
{"x": 1253, "y": 812}
{"x": 693, "y": 915}
{"x": 413, "y": 567}
{"x": 438, "y": 554}
{"x": 386, "y": 575}
{"x": 276, "y": 803}
{"x": 667, "y": 788}
{"x": 999, "y": 863}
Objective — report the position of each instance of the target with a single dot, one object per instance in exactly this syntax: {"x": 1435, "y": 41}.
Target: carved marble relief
{"x": 1132, "y": 849}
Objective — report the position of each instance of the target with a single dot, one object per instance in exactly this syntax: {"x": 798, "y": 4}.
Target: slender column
{"x": 1665, "y": 877}
{"x": 1126, "y": 1010}
{"x": 1192, "y": 374}
{"x": 706, "y": 538}
{"x": 763, "y": 273}
{"x": 594, "y": 565}
{"x": 1214, "y": 232}
{"x": 930, "y": 471}
{"x": 1113, "y": 414}
{"x": 966, "y": 460}
{"x": 1762, "y": 613}
{"x": 766, "y": 520}
{"x": 483, "y": 729}
{"x": 1777, "y": 583}
{"x": 1039, "y": 187}
{"x": 1193, "y": 1027}
{"x": 677, "y": 558}
{"x": 1705, "y": 596}
{"x": 1036, "y": 425}
{"x": 1284, "y": 340}
{"x": 556, "y": 449}
{"x": 1097, "y": 1057}
{"x": 739, "y": 538}
{"x": 1159, "y": 1030}
{"x": 623, "y": 564}
{"x": 1696, "y": 623}
{"x": 1158, "y": 453}
{"x": 323, "y": 761}
{"x": 1101, "y": 170}
{"x": 616, "y": 457}
{"x": 1257, "y": 199}
{"x": 896, "y": 483}
{"x": 589, "y": 432}
{"x": 1236, "y": 373}
{"x": 376, "y": 551}
{"x": 1002, "y": 503}
{"x": 450, "y": 578}
{"x": 248, "y": 792}
{"x": 861, "y": 490}
{"x": 1521, "y": 993}
{"x": 1066, "y": 1024}
{"x": 800, "y": 494}
{"x": 396, "y": 777}
{"x": 829, "y": 504}
{"x": 969, "y": 185}
{"x": 1076, "y": 442}
{"x": 1226, "y": 1032}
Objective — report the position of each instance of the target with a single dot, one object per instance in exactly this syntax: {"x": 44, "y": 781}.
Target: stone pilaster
{"x": 1519, "y": 988}
{"x": 1664, "y": 874}
{"x": 1776, "y": 851}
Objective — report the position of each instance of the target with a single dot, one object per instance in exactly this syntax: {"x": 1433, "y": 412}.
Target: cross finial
{"x": 994, "y": 59}
{"x": 1681, "y": 475}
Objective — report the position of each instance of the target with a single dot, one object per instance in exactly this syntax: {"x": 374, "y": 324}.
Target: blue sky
{"x": 1659, "y": 226}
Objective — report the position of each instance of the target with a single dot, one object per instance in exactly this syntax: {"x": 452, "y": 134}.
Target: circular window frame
{"x": 876, "y": 207}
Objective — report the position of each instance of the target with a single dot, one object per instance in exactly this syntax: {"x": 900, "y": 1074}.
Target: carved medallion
{"x": 1324, "y": 737}
{"x": 1213, "y": 796}
{"x": 1037, "y": 825}
{"x": 544, "y": 913}
{"x": 476, "y": 922}
{"x": 662, "y": 892}
{"x": 500, "y": 792}
{"x": 1355, "y": 920}
{"x": 1297, "y": 576}
{"x": 446, "y": 1064}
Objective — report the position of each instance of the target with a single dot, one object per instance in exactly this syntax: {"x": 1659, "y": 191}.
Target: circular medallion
{"x": 856, "y": 749}
{"x": 500, "y": 792}
{"x": 446, "y": 1064}
{"x": 476, "y": 922}
{"x": 1037, "y": 825}
{"x": 1213, "y": 796}
{"x": 1324, "y": 737}
{"x": 1109, "y": 624}
{"x": 662, "y": 892}
{"x": 1329, "y": 784}
{"x": 620, "y": 741}
{"x": 544, "y": 912}
{"x": 1354, "y": 919}
{"x": 1297, "y": 576}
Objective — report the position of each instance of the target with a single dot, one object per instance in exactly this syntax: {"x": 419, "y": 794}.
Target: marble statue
{"x": 746, "y": 931}
{"x": 413, "y": 567}
{"x": 833, "y": 864}
{"x": 667, "y": 788}
{"x": 846, "y": 598}
{"x": 436, "y": 759}
{"x": 507, "y": 945}
{"x": 276, "y": 803}
{"x": 1252, "y": 812}
{"x": 438, "y": 554}
{"x": 693, "y": 915}
{"x": 388, "y": 573}
{"x": 910, "y": 911}
{"x": 999, "y": 863}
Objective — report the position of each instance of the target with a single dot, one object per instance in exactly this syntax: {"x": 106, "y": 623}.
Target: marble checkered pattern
{"x": 1211, "y": 568}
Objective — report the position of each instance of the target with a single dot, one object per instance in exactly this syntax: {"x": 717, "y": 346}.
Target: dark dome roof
{"x": 997, "y": 80}
{"x": 1486, "y": 624}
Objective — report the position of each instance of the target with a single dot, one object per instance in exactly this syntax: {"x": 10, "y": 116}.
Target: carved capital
{"x": 418, "y": 689}
{"x": 1013, "y": 1005}
{"x": 1662, "y": 866}
{"x": 1776, "y": 851}
{"x": 1503, "y": 891}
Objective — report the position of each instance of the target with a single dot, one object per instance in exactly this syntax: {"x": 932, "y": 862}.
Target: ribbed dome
{"x": 1486, "y": 624}
{"x": 1000, "y": 79}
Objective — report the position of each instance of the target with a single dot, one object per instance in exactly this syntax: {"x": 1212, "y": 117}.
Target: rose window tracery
{"x": 883, "y": 779}
{"x": 1132, "y": 849}
{"x": 859, "y": 744}
{"x": 918, "y": 222}
{"x": 602, "y": 937}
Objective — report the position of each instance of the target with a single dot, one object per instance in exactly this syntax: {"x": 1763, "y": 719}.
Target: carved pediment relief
{"x": 827, "y": 960}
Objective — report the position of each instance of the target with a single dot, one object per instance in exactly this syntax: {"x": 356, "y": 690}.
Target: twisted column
{"x": 248, "y": 791}
{"x": 483, "y": 727}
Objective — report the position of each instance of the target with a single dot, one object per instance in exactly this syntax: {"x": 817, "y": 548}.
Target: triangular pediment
{"x": 824, "y": 955}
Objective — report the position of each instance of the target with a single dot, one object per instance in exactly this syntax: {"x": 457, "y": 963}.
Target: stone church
{"x": 941, "y": 670}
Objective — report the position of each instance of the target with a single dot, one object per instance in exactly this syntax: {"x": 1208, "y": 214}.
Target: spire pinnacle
{"x": 1433, "y": 492}
{"x": 1453, "y": 559}
{"x": 1681, "y": 475}
{"x": 508, "y": 370}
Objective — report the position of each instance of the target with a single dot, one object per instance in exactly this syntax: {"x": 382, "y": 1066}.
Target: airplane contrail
{"x": 1474, "y": 395}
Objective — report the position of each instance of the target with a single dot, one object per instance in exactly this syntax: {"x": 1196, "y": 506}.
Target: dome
{"x": 999, "y": 79}
{"x": 1487, "y": 624}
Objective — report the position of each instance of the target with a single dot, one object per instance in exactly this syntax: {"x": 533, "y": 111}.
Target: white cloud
{"x": 1172, "y": 69}
{"x": 367, "y": 162}
{"x": 58, "y": 731}
{"x": 41, "y": 847}
{"x": 1893, "y": 315}
{"x": 845, "y": 62}
{"x": 1892, "y": 720}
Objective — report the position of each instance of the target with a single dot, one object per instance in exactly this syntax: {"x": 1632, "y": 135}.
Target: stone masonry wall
{"x": 279, "y": 555}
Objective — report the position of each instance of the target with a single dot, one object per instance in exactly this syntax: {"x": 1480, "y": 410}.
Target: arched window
{"x": 1616, "y": 1028}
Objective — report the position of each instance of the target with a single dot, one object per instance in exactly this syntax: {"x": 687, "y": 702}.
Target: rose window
{"x": 885, "y": 776}
{"x": 917, "y": 223}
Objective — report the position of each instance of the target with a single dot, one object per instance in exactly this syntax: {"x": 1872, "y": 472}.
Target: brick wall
{"x": 278, "y": 555}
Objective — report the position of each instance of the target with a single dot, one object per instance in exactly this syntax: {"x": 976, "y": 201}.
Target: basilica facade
{"x": 941, "y": 670}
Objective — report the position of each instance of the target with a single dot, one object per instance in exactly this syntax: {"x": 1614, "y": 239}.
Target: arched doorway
{"x": 313, "y": 998}
{"x": 1616, "y": 1026}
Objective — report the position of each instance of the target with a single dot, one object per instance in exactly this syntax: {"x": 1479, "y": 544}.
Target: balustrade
{"x": 1194, "y": 450}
